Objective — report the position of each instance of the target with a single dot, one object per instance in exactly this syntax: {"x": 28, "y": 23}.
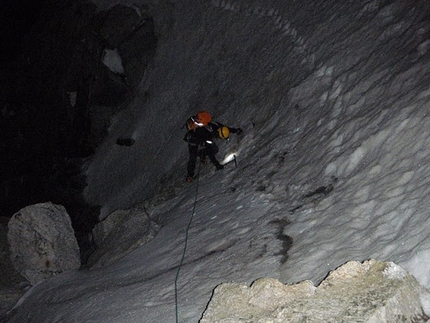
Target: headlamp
{"x": 228, "y": 158}
{"x": 196, "y": 122}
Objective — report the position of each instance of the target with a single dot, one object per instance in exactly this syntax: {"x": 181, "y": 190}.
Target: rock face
{"x": 63, "y": 74}
{"x": 119, "y": 233}
{"x": 12, "y": 285}
{"x": 59, "y": 93}
{"x": 42, "y": 242}
{"x": 373, "y": 291}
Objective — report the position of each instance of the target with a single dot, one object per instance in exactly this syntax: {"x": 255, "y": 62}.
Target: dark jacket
{"x": 202, "y": 136}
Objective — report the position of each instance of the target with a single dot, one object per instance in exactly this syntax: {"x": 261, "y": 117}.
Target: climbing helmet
{"x": 202, "y": 118}
{"x": 223, "y": 132}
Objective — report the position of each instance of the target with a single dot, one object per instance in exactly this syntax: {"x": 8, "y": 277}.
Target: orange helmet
{"x": 202, "y": 118}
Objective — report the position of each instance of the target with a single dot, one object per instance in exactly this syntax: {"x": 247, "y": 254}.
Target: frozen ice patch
{"x": 113, "y": 61}
{"x": 72, "y": 98}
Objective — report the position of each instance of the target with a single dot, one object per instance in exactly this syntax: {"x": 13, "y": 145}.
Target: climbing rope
{"x": 185, "y": 245}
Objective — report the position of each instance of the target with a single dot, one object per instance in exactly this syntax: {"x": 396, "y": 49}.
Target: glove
{"x": 239, "y": 131}
{"x": 187, "y": 137}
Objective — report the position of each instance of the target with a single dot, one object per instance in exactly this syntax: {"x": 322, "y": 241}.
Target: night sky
{"x": 16, "y": 19}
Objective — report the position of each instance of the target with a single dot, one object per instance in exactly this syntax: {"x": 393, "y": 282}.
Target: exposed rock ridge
{"x": 372, "y": 291}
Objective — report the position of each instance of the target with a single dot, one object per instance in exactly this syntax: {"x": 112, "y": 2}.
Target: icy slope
{"x": 333, "y": 164}
{"x": 249, "y": 222}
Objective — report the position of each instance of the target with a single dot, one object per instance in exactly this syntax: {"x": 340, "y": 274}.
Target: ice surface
{"x": 333, "y": 164}
{"x": 112, "y": 59}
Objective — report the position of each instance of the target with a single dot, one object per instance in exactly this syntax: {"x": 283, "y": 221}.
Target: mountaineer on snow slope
{"x": 202, "y": 132}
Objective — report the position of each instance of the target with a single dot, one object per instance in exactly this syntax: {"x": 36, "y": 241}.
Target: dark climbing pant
{"x": 209, "y": 150}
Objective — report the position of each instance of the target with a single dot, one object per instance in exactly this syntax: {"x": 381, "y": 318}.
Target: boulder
{"x": 12, "y": 285}
{"x": 42, "y": 242}
{"x": 371, "y": 291}
{"x": 119, "y": 233}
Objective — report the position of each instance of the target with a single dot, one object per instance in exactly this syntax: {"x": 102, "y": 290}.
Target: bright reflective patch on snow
{"x": 228, "y": 158}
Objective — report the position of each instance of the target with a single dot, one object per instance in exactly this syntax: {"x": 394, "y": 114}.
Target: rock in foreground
{"x": 371, "y": 291}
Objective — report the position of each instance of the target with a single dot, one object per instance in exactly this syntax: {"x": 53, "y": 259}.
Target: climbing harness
{"x": 185, "y": 245}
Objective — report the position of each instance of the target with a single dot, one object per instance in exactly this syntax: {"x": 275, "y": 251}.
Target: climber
{"x": 200, "y": 138}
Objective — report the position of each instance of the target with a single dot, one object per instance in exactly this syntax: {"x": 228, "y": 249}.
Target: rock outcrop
{"x": 42, "y": 242}
{"x": 371, "y": 291}
{"x": 71, "y": 71}
{"x": 120, "y": 233}
{"x": 12, "y": 285}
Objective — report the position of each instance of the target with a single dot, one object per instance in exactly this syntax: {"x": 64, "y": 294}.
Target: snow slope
{"x": 333, "y": 164}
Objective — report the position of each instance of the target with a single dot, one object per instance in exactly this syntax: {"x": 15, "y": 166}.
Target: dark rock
{"x": 12, "y": 284}
{"x": 119, "y": 234}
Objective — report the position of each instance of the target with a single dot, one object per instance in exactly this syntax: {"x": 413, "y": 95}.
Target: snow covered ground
{"x": 333, "y": 164}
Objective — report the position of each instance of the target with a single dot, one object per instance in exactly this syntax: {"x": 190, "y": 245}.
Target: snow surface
{"x": 333, "y": 164}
